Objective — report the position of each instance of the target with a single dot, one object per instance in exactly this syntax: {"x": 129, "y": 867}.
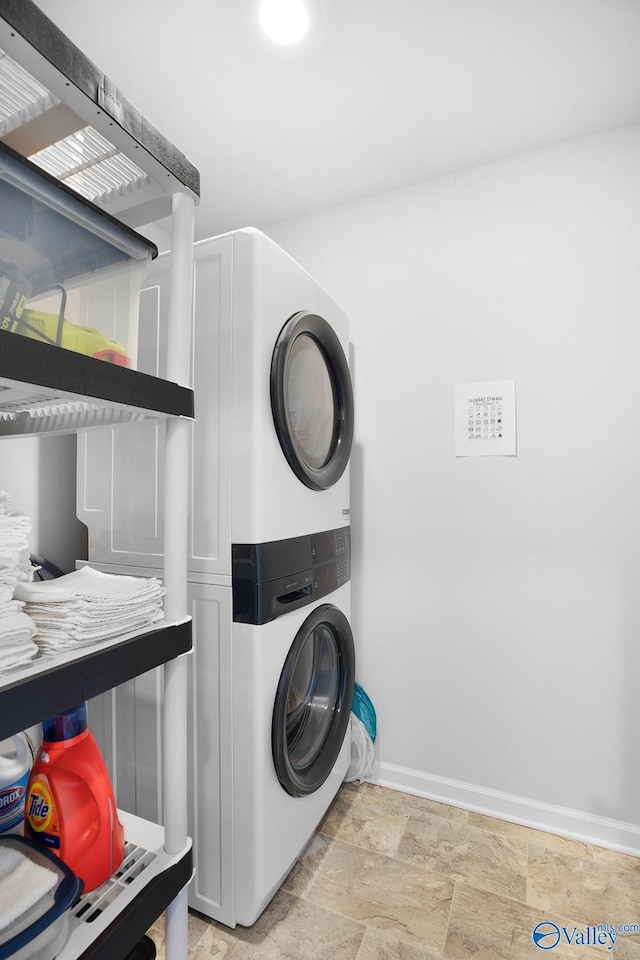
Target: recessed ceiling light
{"x": 285, "y": 21}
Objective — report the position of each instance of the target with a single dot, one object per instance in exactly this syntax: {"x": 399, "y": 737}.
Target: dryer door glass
{"x": 312, "y": 400}
{"x": 313, "y": 701}
{"x": 311, "y": 409}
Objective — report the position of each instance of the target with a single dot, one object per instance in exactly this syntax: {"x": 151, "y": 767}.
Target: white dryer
{"x": 292, "y": 403}
{"x": 274, "y": 415}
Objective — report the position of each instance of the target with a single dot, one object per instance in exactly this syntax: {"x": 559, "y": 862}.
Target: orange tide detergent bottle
{"x": 70, "y": 807}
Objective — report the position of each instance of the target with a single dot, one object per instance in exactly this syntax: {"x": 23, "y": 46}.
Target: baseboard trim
{"x": 574, "y": 824}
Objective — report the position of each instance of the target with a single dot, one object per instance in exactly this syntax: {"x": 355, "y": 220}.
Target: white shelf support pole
{"x": 177, "y": 927}
{"x": 175, "y": 562}
{"x": 175, "y": 520}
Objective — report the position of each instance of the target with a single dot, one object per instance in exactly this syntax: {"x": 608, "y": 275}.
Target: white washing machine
{"x": 270, "y": 691}
{"x": 274, "y": 415}
{"x": 292, "y": 691}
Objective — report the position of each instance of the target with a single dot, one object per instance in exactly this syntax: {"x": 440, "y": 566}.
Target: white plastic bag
{"x": 361, "y": 765}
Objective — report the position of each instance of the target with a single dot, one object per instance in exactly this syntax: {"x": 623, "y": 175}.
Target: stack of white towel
{"x": 16, "y": 628}
{"x": 87, "y": 606}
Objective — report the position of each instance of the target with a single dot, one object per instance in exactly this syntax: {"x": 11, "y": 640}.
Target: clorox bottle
{"x": 70, "y": 807}
{"x": 15, "y": 763}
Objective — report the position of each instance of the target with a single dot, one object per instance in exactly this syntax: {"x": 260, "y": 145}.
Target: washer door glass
{"x": 312, "y": 400}
{"x": 313, "y": 701}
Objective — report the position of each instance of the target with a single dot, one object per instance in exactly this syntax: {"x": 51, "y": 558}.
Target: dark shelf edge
{"x": 42, "y": 33}
{"x": 117, "y": 941}
{"x": 31, "y": 699}
{"x": 42, "y": 365}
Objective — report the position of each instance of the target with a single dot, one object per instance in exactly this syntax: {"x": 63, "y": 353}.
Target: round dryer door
{"x": 312, "y": 400}
{"x": 313, "y": 701}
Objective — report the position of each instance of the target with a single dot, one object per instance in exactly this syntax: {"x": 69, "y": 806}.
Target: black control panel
{"x": 270, "y": 579}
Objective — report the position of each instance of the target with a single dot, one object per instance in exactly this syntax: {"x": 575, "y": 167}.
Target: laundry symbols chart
{"x": 485, "y": 419}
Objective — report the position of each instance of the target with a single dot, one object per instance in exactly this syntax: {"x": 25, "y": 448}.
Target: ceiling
{"x": 380, "y": 95}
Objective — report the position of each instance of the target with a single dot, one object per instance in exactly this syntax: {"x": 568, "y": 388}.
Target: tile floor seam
{"x": 374, "y": 928}
{"x": 421, "y": 868}
{"x": 620, "y": 875}
{"x": 544, "y": 912}
{"x": 434, "y": 800}
{"x": 343, "y": 916}
{"x": 396, "y": 846}
{"x": 350, "y": 843}
{"x": 491, "y": 893}
{"x": 446, "y": 933}
{"x": 403, "y": 863}
{"x": 329, "y": 910}
{"x": 204, "y": 920}
{"x": 459, "y": 877}
{"x": 362, "y": 941}
{"x": 318, "y": 872}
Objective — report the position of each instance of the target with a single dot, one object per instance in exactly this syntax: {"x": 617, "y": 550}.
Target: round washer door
{"x": 313, "y": 701}
{"x": 312, "y": 400}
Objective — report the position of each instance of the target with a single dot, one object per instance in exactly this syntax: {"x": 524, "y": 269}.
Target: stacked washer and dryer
{"x": 272, "y": 670}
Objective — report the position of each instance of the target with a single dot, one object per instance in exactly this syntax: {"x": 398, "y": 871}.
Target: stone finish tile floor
{"x": 391, "y": 876}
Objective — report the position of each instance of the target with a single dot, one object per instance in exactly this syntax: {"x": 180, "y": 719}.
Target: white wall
{"x": 496, "y": 600}
{"x": 40, "y": 476}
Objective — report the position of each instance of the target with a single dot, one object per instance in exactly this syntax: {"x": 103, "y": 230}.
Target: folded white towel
{"x": 16, "y": 626}
{"x": 13, "y": 522}
{"x": 17, "y": 644}
{"x": 91, "y": 614}
{"x": 9, "y": 607}
{"x": 16, "y": 566}
{"x": 14, "y": 656}
{"x": 87, "y": 606}
{"x": 85, "y": 584}
{"x": 10, "y": 647}
{"x": 12, "y": 537}
{"x": 9, "y": 567}
{"x": 90, "y": 617}
{"x": 22, "y": 884}
{"x": 63, "y": 635}
{"x": 13, "y": 549}
{"x": 50, "y": 622}
{"x": 16, "y": 576}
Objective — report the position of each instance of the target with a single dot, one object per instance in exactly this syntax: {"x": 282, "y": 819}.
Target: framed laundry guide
{"x": 485, "y": 419}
